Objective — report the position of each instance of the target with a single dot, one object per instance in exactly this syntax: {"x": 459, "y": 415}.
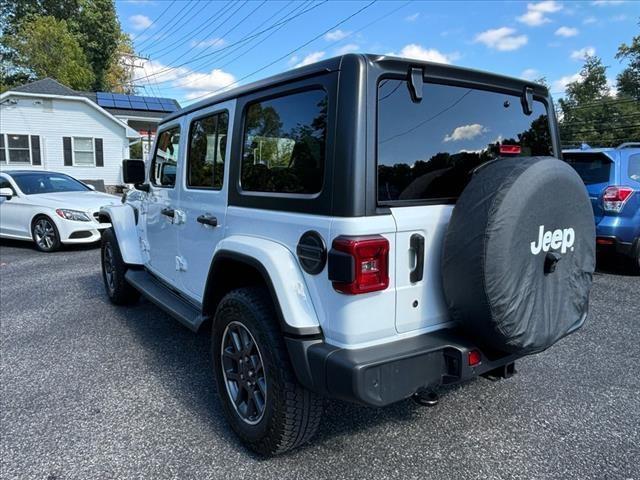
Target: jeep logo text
{"x": 558, "y": 239}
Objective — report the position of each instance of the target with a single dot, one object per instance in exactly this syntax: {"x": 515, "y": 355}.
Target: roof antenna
{"x": 415, "y": 84}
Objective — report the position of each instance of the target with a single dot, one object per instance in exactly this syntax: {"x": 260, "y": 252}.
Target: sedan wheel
{"x": 45, "y": 235}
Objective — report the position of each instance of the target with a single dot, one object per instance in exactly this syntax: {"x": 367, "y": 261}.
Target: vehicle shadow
{"x": 614, "y": 265}
{"x": 183, "y": 360}
{"x": 27, "y": 245}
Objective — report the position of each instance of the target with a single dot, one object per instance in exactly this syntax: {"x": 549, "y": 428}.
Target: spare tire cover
{"x": 519, "y": 254}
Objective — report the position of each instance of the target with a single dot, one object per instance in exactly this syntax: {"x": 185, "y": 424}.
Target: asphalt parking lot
{"x": 90, "y": 390}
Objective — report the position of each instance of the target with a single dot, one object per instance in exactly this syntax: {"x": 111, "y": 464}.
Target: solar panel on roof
{"x": 135, "y": 102}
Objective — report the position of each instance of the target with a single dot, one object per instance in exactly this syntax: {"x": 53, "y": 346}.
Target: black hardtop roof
{"x": 336, "y": 63}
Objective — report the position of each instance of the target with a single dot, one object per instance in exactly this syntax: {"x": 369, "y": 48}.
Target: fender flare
{"x": 281, "y": 274}
{"x": 123, "y": 221}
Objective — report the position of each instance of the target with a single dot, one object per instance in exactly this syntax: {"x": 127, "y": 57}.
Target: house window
{"x": 15, "y": 148}
{"x": 83, "y": 152}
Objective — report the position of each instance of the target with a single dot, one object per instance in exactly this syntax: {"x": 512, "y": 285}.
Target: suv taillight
{"x": 615, "y": 197}
{"x": 359, "y": 264}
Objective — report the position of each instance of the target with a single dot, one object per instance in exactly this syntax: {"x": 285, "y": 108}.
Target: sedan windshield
{"x": 32, "y": 183}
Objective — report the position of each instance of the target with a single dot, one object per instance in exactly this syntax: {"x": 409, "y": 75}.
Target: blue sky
{"x": 196, "y": 48}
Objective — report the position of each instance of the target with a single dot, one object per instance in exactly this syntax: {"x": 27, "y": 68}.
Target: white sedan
{"x": 50, "y": 209}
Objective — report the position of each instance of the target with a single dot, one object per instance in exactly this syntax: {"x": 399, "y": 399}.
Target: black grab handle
{"x": 417, "y": 245}
{"x": 208, "y": 220}
{"x": 169, "y": 212}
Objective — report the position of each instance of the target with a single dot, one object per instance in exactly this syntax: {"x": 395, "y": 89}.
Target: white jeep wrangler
{"x": 366, "y": 228}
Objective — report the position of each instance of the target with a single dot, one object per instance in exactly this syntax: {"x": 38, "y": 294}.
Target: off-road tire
{"x": 292, "y": 413}
{"x": 56, "y": 235}
{"x": 119, "y": 291}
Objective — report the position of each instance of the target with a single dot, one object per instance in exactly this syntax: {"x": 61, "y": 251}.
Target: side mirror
{"x": 133, "y": 171}
{"x": 6, "y": 193}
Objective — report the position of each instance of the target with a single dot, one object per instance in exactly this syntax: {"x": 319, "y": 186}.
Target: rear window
{"x": 634, "y": 167}
{"x": 284, "y": 144}
{"x": 428, "y": 150}
{"x": 593, "y": 168}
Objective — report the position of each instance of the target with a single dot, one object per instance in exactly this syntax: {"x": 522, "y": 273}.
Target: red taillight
{"x": 615, "y": 197}
{"x": 510, "y": 149}
{"x": 370, "y": 264}
{"x": 474, "y": 358}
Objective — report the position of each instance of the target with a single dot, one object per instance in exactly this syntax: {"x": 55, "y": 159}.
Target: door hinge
{"x": 181, "y": 264}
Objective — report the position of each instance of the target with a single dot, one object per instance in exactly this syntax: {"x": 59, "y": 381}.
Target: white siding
{"x": 67, "y": 118}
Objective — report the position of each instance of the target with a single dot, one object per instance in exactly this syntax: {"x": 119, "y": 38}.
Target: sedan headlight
{"x": 76, "y": 215}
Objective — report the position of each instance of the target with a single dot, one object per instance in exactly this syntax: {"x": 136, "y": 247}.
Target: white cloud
{"x": 503, "y": 39}
{"x": 589, "y": 20}
{"x": 196, "y": 83}
{"x": 348, "y": 48}
{"x": 413, "y": 50}
{"x": 619, "y": 18}
{"x": 536, "y": 12}
{"x": 313, "y": 57}
{"x": 583, "y": 53}
{"x": 603, "y": 3}
{"x": 413, "y": 17}
{"x": 465, "y": 132}
{"x": 530, "y": 74}
{"x": 215, "y": 80}
{"x": 140, "y": 22}
{"x": 567, "y": 32}
{"x": 336, "y": 35}
{"x": 560, "y": 85}
{"x": 211, "y": 42}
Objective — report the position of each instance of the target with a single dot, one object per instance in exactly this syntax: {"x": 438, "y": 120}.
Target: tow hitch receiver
{"x": 425, "y": 397}
{"x": 505, "y": 371}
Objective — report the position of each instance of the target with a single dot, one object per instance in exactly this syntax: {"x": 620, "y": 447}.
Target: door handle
{"x": 169, "y": 212}
{"x": 416, "y": 243}
{"x": 208, "y": 220}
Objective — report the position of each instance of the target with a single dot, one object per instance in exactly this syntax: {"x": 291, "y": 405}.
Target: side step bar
{"x": 157, "y": 292}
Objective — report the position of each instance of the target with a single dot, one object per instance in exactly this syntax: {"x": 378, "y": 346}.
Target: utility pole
{"x": 132, "y": 64}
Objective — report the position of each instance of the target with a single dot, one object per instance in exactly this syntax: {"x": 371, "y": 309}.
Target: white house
{"x": 45, "y": 125}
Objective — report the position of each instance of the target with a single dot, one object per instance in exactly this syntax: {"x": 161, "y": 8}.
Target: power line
{"x": 173, "y": 21}
{"x": 613, "y": 101}
{"x": 177, "y": 26}
{"x": 214, "y": 60}
{"x": 606, "y": 129}
{"x": 160, "y": 72}
{"x": 288, "y": 54}
{"x": 154, "y": 21}
{"x": 197, "y": 30}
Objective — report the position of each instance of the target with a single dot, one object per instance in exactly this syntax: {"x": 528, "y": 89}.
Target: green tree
{"x": 119, "y": 76}
{"x": 590, "y": 114}
{"x": 98, "y": 30}
{"x": 628, "y": 81}
{"x": 93, "y": 23}
{"x": 44, "y": 46}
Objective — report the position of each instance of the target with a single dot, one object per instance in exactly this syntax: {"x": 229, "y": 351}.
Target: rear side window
{"x": 165, "y": 160}
{"x": 284, "y": 144}
{"x": 428, "y": 150}
{"x": 207, "y": 148}
{"x": 593, "y": 168}
{"x": 634, "y": 167}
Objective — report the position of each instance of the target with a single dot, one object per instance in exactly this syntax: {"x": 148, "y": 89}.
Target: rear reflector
{"x": 510, "y": 149}
{"x": 604, "y": 241}
{"x": 615, "y": 197}
{"x": 368, "y": 264}
{"x": 474, "y": 358}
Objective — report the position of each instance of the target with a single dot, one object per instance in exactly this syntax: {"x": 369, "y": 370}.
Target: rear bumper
{"x": 605, "y": 243}
{"x": 384, "y": 374}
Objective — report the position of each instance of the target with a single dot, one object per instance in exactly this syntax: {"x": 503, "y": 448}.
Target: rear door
{"x": 597, "y": 171}
{"x": 203, "y": 199}
{"x": 427, "y": 151}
